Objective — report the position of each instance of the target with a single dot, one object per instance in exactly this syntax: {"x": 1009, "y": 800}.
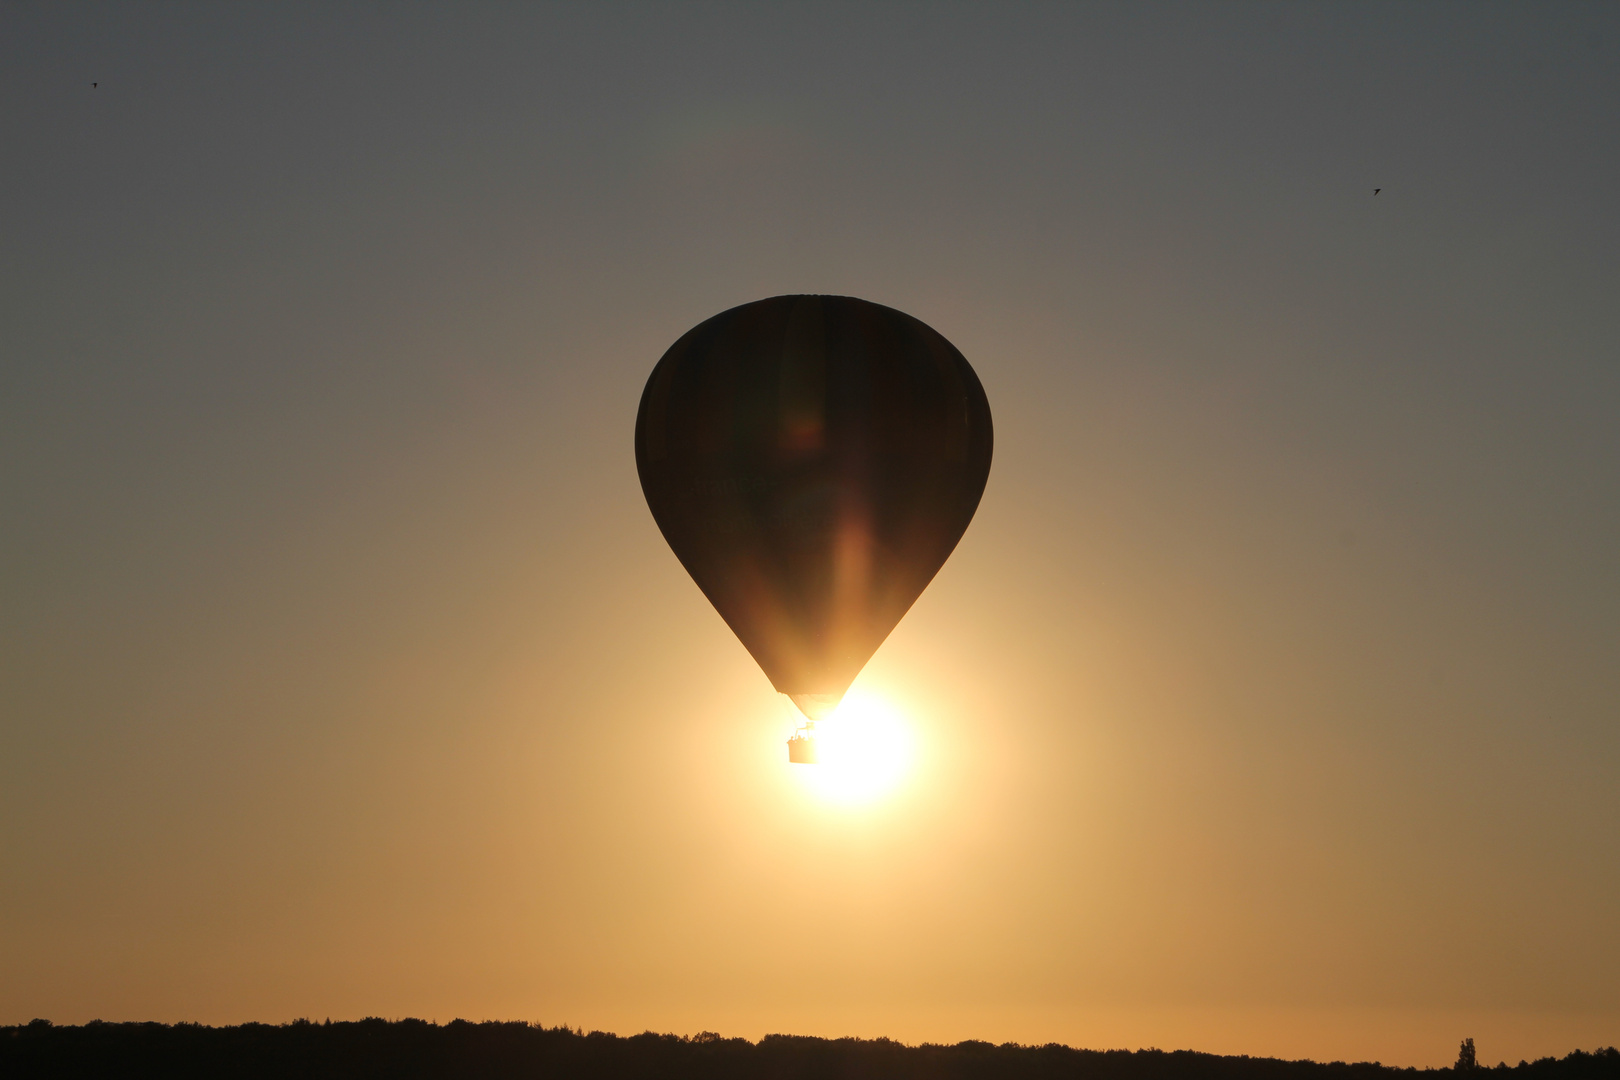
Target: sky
{"x": 1268, "y": 706}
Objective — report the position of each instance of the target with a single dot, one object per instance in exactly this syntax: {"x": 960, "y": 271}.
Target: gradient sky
{"x": 1270, "y": 705}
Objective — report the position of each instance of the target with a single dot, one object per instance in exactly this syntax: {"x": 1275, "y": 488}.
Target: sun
{"x": 865, "y": 750}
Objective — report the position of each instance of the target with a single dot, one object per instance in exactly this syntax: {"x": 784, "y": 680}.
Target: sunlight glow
{"x": 865, "y": 748}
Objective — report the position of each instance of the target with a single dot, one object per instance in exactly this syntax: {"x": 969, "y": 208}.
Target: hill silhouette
{"x": 375, "y": 1048}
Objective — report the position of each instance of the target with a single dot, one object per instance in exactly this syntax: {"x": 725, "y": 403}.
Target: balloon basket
{"x": 802, "y": 747}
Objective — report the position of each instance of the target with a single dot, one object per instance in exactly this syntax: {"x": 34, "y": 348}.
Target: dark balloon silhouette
{"x": 813, "y": 461}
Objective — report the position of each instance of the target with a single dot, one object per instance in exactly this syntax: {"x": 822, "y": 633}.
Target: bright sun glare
{"x": 865, "y": 750}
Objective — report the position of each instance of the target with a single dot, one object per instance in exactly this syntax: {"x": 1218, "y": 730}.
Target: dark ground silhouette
{"x": 416, "y": 1048}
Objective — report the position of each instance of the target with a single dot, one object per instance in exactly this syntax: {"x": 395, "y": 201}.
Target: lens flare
{"x": 864, "y": 751}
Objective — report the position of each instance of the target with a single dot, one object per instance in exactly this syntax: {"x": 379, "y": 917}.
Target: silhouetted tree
{"x": 377, "y": 1049}
{"x": 1465, "y": 1057}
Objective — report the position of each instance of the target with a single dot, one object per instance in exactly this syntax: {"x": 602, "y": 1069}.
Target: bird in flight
{"x": 1376, "y": 190}
{"x": 94, "y": 85}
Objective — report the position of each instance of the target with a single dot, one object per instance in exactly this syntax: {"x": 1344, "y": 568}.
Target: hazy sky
{"x": 1270, "y": 705}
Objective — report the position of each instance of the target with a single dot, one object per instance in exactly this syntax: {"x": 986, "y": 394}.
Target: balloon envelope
{"x": 813, "y": 461}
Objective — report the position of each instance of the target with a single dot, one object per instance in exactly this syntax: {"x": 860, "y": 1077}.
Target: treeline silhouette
{"x": 494, "y": 1050}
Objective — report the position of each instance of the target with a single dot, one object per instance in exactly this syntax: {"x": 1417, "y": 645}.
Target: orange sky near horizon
{"x": 1268, "y": 705}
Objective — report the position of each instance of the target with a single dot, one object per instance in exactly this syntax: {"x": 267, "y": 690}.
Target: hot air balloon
{"x": 813, "y": 461}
